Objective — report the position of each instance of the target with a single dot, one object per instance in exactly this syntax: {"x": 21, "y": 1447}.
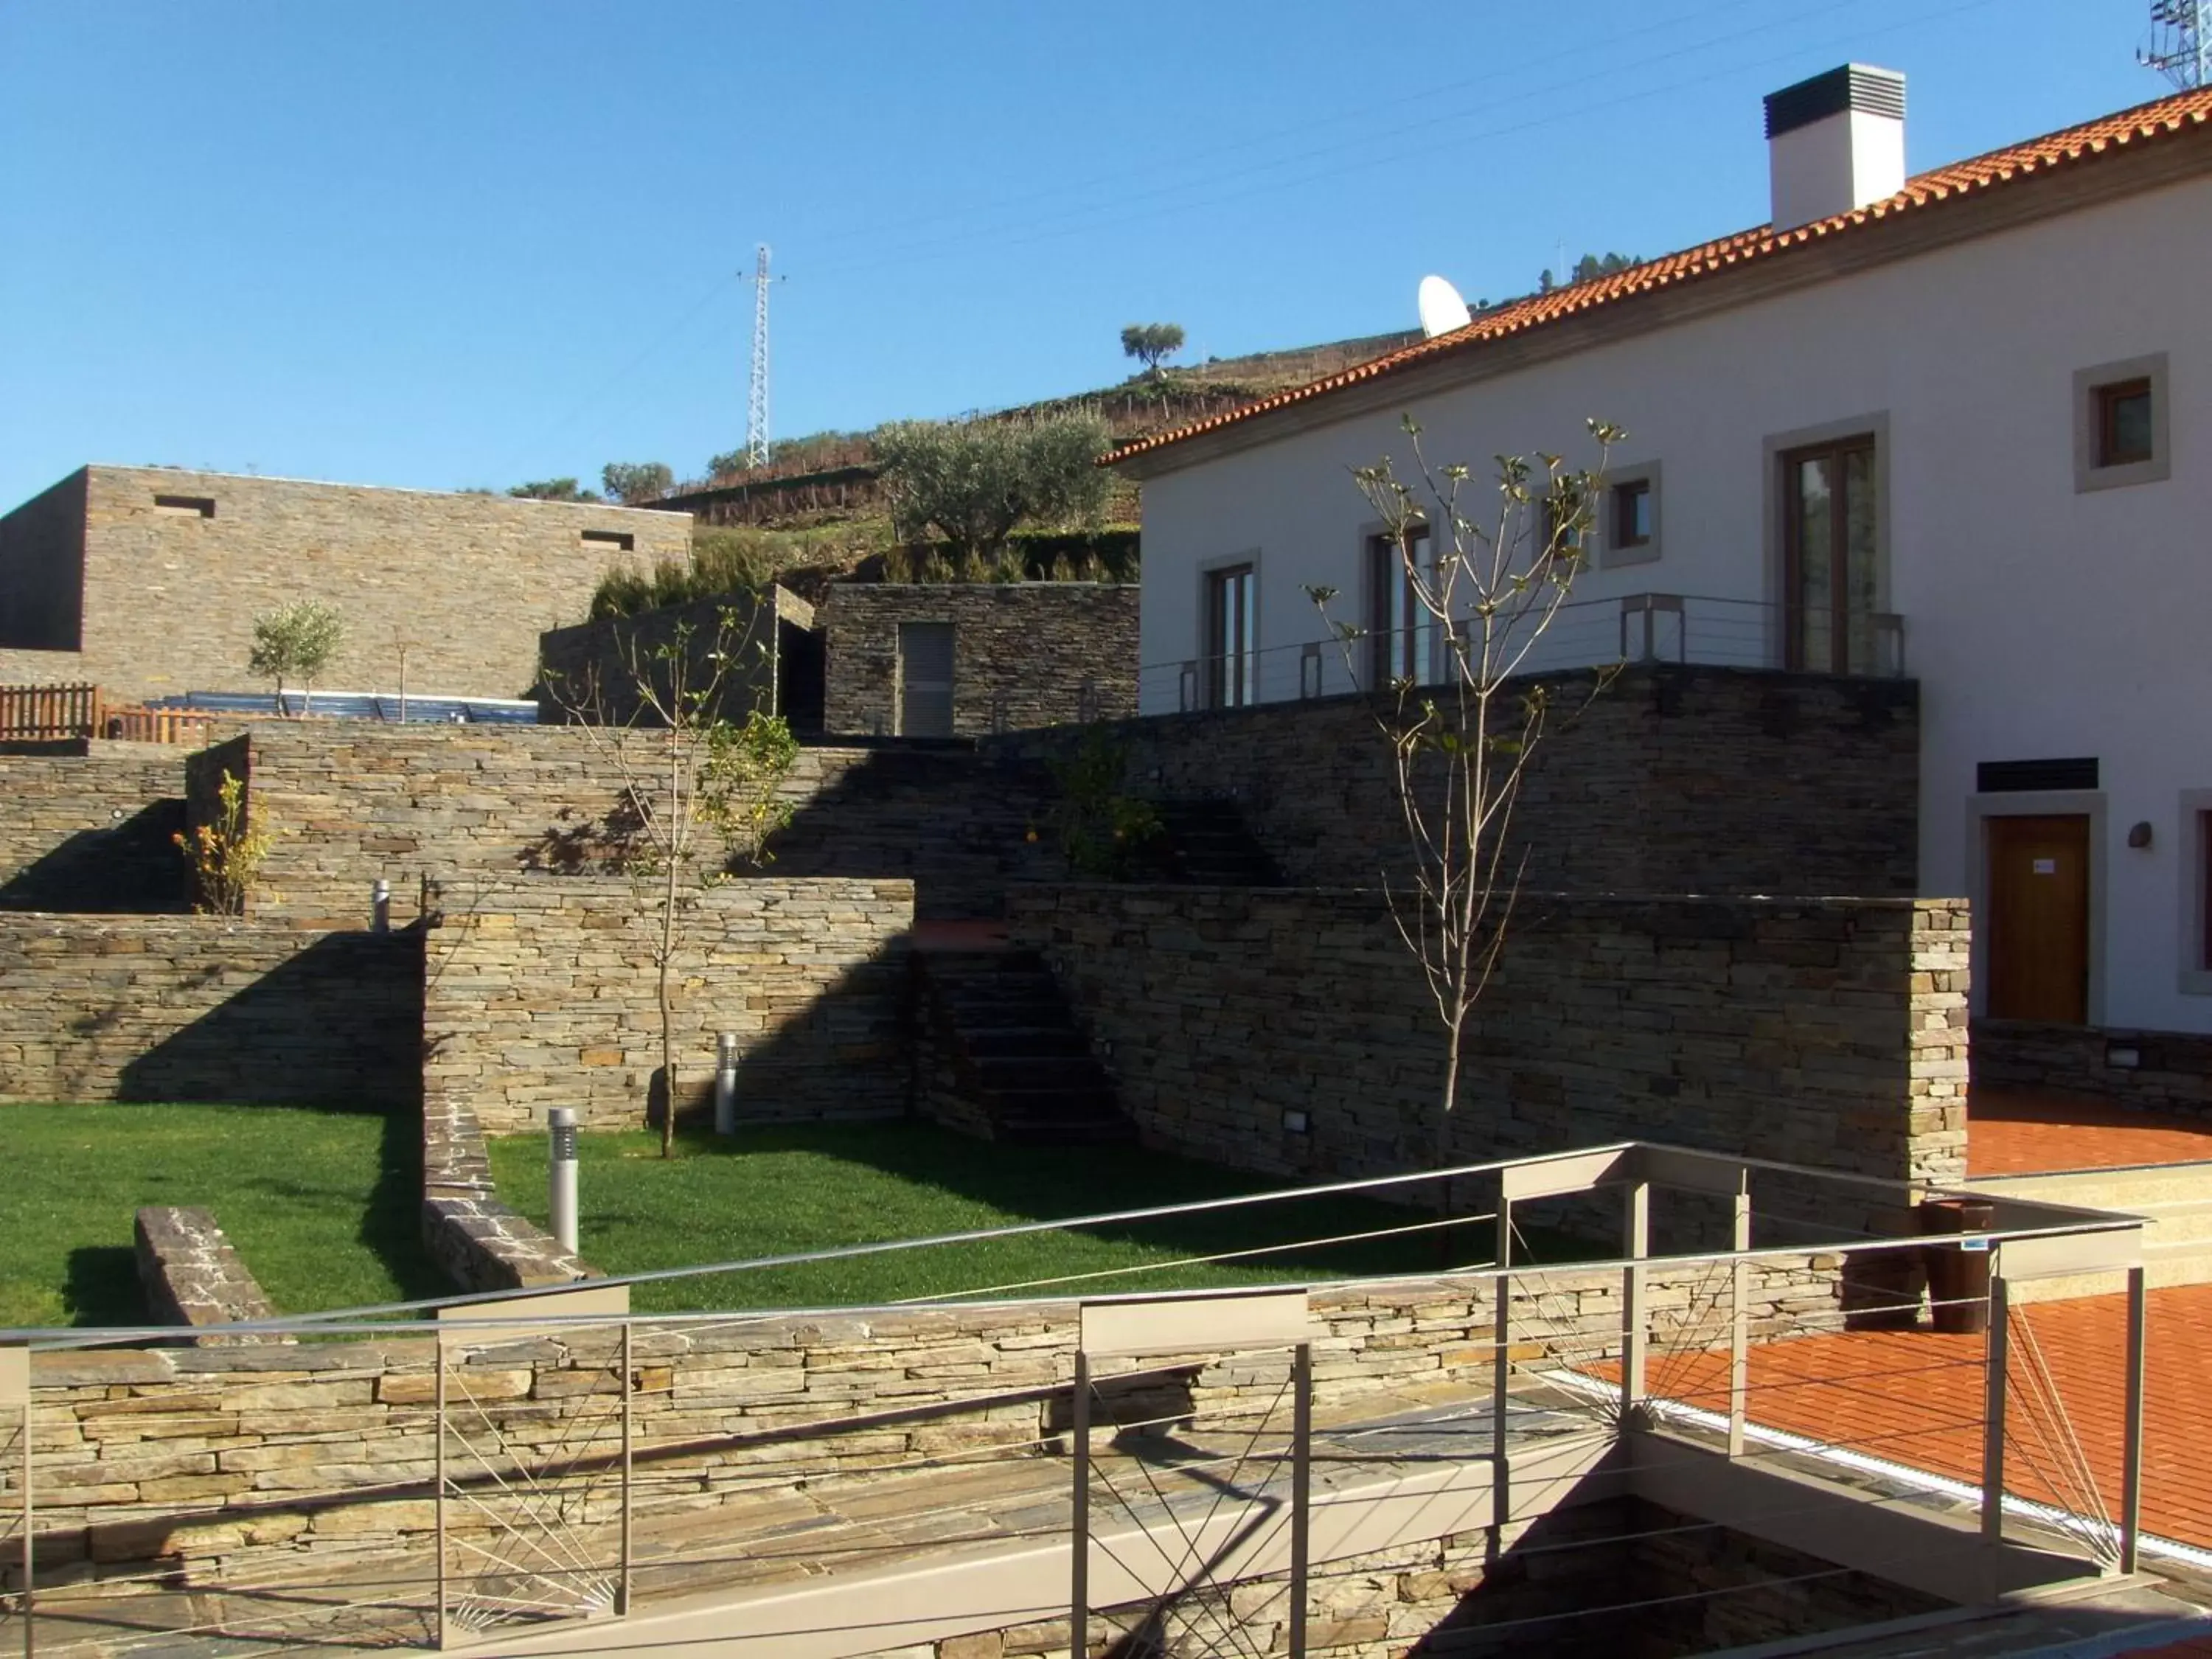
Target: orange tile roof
{"x": 2038, "y": 158}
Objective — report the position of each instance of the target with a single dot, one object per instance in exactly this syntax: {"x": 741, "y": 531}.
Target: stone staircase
{"x": 1005, "y": 1056}
{"x": 1208, "y": 843}
{"x": 2175, "y": 1199}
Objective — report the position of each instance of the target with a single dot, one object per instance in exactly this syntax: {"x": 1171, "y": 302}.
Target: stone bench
{"x": 192, "y": 1276}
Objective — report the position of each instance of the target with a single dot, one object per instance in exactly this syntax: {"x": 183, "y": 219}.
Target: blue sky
{"x": 443, "y": 243}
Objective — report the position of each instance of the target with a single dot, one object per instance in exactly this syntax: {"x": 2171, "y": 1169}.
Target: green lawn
{"x": 782, "y": 1190}
{"x": 323, "y": 1206}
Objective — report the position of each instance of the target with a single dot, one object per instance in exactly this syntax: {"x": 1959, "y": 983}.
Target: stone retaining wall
{"x": 590, "y": 671}
{"x": 2172, "y": 1070}
{"x": 480, "y": 1242}
{"x": 541, "y": 994}
{"x": 91, "y": 832}
{"x": 1829, "y": 1033}
{"x": 1670, "y": 780}
{"x": 192, "y": 1275}
{"x": 463, "y": 806}
{"x": 170, "y": 1008}
{"x": 1024, "y": 655}
{"x": 207, "y": 1461}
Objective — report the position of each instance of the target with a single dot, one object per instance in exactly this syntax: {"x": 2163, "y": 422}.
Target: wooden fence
{"x": 67, "y": 714}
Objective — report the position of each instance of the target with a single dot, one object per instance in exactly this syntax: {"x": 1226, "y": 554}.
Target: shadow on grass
{"x": 392, "y": 1225}
{"x": 102, "y": 1286}
{"x": 1046, "y": 1182}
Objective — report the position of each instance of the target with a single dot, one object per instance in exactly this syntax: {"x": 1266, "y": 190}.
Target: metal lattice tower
{"x": 757, "y": 409}
{"x": 2180, "y": 42}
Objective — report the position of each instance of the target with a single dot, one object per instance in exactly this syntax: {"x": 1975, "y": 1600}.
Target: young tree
{"x": 632, "y": 483}
{"x": 698, "y": 792}
{"x": 974, "y": 480}
{"x": 1148, "y": 342}
{"x": 552, "y": 489}
{"x": 296, "y": 641}
{"x": 1459, "y": 745}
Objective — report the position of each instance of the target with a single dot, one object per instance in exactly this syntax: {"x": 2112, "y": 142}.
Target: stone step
{"x": 2174, "y": 1199}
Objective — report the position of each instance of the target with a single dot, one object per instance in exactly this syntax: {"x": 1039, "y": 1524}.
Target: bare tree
{"x": 1461, "y": 724}
{"x": 697, "y": 792}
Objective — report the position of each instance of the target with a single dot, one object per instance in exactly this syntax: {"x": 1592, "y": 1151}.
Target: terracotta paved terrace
{"x": 2015, "y": 1132}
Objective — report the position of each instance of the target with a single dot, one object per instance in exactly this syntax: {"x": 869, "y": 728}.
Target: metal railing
{"x": 528, "y": 1463}
{"x": 1634, "y": 628}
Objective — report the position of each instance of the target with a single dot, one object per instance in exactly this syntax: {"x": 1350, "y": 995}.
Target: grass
{"x": 323, "y": 1206}
{"x": 772, "y": 1191}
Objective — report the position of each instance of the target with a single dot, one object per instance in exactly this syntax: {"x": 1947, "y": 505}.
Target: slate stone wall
{"x": 541, "y": 994}
{"x": 2172, "y": 1070}
{"x": 591, "y": 669}
{"x": 194, "y": 1275}
{"x": 1669, "y": 781}
{"x": 166, "y": 1008}
{"x": 215, "y": 1462}
{"x": 1825, "y": 1032}
{"x": 465, "y": 583}
{"x": 91, "y": 832}
{"x": 1025, "y": 654}
{"x": 349, "y": 802}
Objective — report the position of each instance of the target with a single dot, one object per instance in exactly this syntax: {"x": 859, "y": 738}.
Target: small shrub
{"x": 740, "y": 784}
{"x": 225, "y": 855}
{"x": 296, "y": 641}
{"x": 1104, "y": 834}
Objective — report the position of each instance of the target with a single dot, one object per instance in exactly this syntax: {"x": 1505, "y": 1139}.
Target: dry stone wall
{"x": 166, "y": 1008}
{"x": 590, "y": 671}
{"x": 194, "y": 1275}
{"x": 347, "y": 803}
{"x": 1025, "y": 654}
{"x": 2155, "y": 1071}
{"x": 91, "y": 832}
{"x": 541, "y": 994}
{"x": 256, "y": 1461}
{"x": 462, "y": 584}
{"x": 1669, "y": 781}
{"x": 1825, "y": 1032}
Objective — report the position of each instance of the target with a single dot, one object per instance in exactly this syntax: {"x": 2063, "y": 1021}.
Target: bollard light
{"x": 561, "y": 1176}
{"x": 725, "y": 1083}
{"x": 380, "y": 907}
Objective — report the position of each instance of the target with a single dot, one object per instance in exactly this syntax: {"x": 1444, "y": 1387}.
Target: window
{"x": 2124, "y": 422}
{"x": 621, "y": 540}
{"x": 2196, "y": 893}
{"x": 1831, "y": 573}
{"x": 1232, "y": 663}
{"x": 2120, "y": 424}
{"x": 1631, "y": 514}
{"x": 1628, "y": 515}
{"x": 195, "y": 506}
{"x": 1401, "y": 630}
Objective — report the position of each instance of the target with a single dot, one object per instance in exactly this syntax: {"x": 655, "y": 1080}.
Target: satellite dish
{"x": 1441, "y": 309}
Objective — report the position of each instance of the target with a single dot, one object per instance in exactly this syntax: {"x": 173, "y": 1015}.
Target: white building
{"x": 1989, "y": 385}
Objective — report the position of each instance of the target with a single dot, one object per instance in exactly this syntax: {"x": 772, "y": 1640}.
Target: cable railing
{"x": 516, "y": 1463}
{"x": 1632, "y": 629}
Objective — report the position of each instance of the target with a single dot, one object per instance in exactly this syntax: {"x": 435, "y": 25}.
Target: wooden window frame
{"x": 1389, "y": 653}
{"x": 1793, "y": 604}
{"x": 1224, "y": 688}
{"x": 2097, "y": 390}
{"x": 2109, "y": 396}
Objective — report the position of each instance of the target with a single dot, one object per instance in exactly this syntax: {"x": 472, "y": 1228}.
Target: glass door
{"x": 1832, "y": 578}
{"x": 1232, "y": 663}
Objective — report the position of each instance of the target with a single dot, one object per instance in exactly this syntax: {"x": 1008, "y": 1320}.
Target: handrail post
{"x": 2131, "y": 1433}
{"x": 628, "y": 1381}
{"x": 1501, "y": 1379}
{"x": 438, "y": 1397}
{"x": 1740, "y": 1319}
{"x": 1078, "y": 1569}
{"x": 15, "y": 1390}
{"x": 1636, "y": 1245}
{"x": 1998, "y": 1349}
{"x": 1301, "y": 1492}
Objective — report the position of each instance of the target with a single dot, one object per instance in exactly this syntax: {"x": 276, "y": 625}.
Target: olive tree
{"x": 973, "y": 482}
{"x": 296, "y": 641}
{"x": 1149, "y": 343}
{"x": 633, "y": 482}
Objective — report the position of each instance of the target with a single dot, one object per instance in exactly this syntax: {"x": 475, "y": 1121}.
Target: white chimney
{"x": 1835, "y": 142}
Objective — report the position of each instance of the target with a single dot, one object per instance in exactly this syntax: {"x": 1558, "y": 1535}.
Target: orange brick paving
{"x": 2013, "y": 1132}
{"x": 1915, "y": 1397}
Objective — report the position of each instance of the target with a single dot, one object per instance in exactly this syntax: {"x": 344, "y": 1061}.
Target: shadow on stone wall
{"x": 130, "y": 867}
{"x": 957, "y": 823}
{"x": 338, "y": 1024}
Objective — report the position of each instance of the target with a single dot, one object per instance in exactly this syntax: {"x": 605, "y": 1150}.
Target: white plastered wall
{"x": 2040, "y": 621}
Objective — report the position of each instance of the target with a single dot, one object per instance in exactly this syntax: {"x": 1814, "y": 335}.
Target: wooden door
{"x": 2039, "y": 918}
